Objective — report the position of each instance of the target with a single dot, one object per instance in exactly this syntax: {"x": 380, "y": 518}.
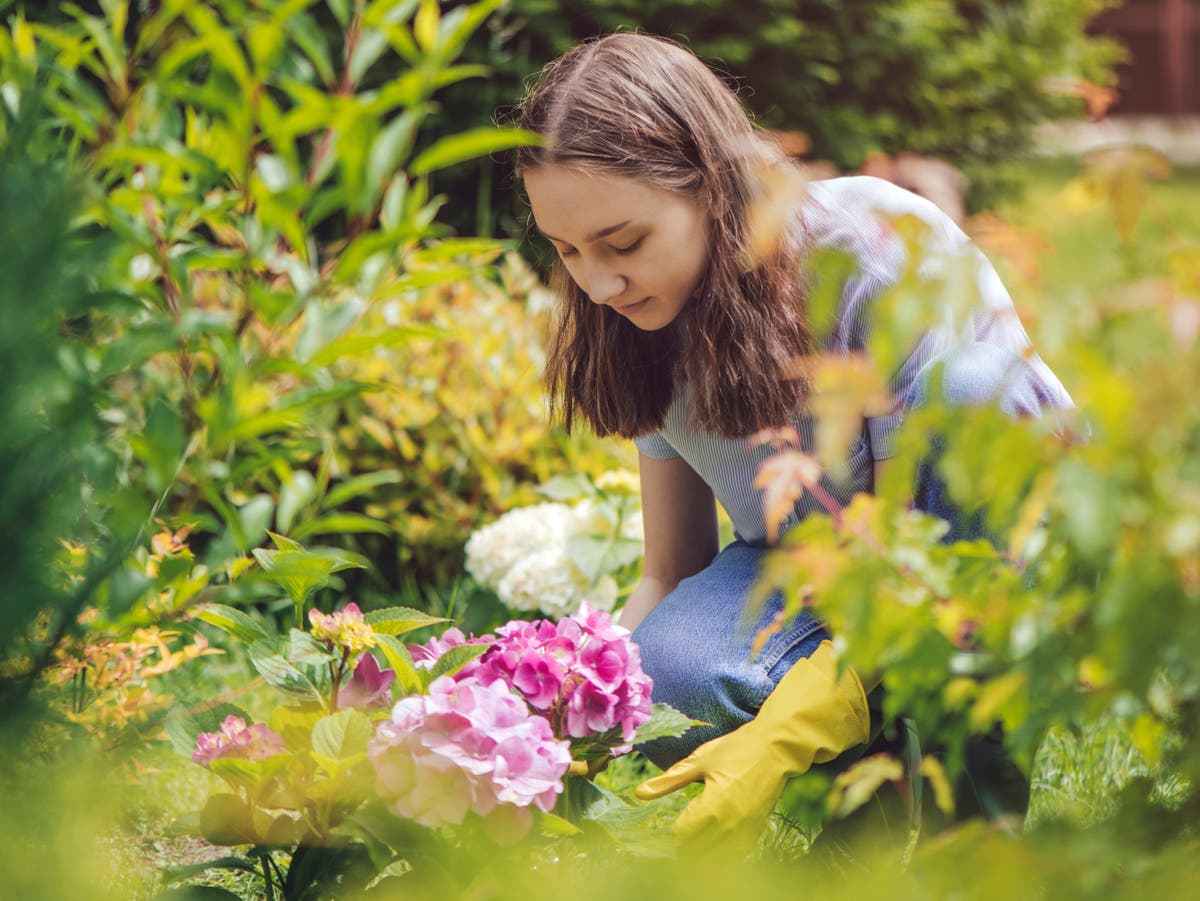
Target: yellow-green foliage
{"x": 461, "y": 416}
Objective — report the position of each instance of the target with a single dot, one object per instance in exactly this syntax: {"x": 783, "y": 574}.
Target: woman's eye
{"x": 629, "y": 248}
{"x": 568, "y": 252}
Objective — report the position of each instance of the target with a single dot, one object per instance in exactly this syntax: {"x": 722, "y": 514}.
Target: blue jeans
{"x": 696, "y": 645}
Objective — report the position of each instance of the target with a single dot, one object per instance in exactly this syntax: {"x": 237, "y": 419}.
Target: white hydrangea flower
{"x": 493, "y": 549}
{"x": 548, "y": 581}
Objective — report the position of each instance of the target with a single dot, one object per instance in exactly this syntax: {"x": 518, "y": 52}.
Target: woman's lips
{"x": 633, "y": 307}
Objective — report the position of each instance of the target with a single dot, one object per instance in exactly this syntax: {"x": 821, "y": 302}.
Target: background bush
{"x": 956, "y": 79}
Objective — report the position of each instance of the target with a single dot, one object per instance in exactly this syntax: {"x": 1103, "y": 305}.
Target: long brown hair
{"x": 644, "y": 107}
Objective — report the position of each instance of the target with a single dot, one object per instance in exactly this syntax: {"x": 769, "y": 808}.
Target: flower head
{"x": 236, "y": 739}
{"x": 584, "y": 674}
{"x": 346, "y": 628}
{"x": 465, "y": 746}
{"x": 495, "y": 548}
{"x": 548, "y": 580}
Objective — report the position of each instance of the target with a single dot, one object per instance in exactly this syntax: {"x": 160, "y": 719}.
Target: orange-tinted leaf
{"x": 856, "y": 786}
{"x": 783, "y": 479}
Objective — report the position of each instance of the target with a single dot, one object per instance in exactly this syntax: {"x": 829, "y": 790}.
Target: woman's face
{"x": 638, "y": 249}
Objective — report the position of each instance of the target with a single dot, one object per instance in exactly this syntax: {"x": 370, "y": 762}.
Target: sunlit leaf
{"x": 455, "y": 658}
{"x": 399, "y": 620}
{"x": 342, "y": 735}
{"x": 857, "y": 785}
{"x": 468, "y": 145}
{"x": 237, "y": 623}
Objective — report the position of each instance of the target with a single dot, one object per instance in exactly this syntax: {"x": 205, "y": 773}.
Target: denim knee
{"x": 698, "y": 648}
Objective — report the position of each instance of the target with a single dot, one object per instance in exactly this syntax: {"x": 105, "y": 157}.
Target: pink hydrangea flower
{"x": 466, "y": 746}
{"x": 236, "y": 739}
{"x": 583, "y": 673}
{"x": 346, "y": 628}
{"x": 369, "y": 686}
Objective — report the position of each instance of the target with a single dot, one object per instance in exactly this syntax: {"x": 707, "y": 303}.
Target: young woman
{"x": 671, "y": 334}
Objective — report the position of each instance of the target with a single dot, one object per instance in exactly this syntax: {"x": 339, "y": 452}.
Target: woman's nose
{"x": 604, "y": 284}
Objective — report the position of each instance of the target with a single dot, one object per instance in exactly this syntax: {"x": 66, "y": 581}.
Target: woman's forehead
{"x": 577, "y": 205}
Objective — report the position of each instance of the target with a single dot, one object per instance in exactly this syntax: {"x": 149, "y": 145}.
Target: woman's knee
{"x": 694, "y": 670}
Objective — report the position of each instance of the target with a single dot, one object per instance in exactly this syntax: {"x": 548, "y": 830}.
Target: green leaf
{"x": 252, "y": 521}
{"x": 307, "y": 35}
{"x": 295, "y": 494}
{"x": 359, "y": 485}
{"x": 425, "y": 24}
{"x": 160, "y": 445}
{"x": 470, "y": 144}
{"x": 295, "y": 724}
{"x": 457, "y": 657}
{"x": 281, "y": 673}
{"x": 340, "y": 10}
{"x": 366, "y": 53}
{"x": 303, "y": 649}
{"x": 400, "y": 660}
{"x": 392, "y": 146}
{"x": 556, "y": 827}
{"x": 238, "y": 624}
{"x": 857, "y": 785}
{"x": 297, "y": 573}
{"x": 358, "y": 344}
{"x": 227, "y": 820}
{"x": 463, "y": 21}
{"x": 398, "y": 620}
{"x": 598, "y": 555}
{"x": 627, "y": 825}
{"x": 342, "y": 524}
{"x": 665, "y": 722}
{"x": 283, "y": 543}
{"x": 342, "y": 735}
{"x": 174, "y": 874}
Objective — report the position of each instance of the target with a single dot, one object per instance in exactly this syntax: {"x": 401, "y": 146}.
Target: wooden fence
{"x": 1163, "y": 38}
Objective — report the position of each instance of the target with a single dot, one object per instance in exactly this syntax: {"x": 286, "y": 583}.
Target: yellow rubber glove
{"x": 810, "y": 717}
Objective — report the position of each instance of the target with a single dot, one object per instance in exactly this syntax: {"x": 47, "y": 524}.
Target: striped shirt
{"x": 855, "y": 216}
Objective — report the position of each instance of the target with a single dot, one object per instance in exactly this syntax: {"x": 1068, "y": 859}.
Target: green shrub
{"x": 957, "y": 80}
{"x": 272, "y": 271}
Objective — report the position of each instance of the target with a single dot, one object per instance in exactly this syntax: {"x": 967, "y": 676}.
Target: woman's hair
{"x": 643, "y": 107}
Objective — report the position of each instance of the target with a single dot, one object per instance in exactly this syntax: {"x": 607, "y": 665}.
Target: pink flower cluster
{"x": 236, "y": 739}
{"x": 465, "y": 746}
{"x": 583, "y": 673}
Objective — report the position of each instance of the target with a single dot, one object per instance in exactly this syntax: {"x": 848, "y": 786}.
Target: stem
{"x": 336, "y": 678}
{"x": 267, "y": 881}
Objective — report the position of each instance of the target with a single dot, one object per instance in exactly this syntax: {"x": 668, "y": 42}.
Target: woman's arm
{"x": 680, "y": 519}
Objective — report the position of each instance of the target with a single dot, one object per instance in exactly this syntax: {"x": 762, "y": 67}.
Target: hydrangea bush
{"x": 458, "y": 732}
